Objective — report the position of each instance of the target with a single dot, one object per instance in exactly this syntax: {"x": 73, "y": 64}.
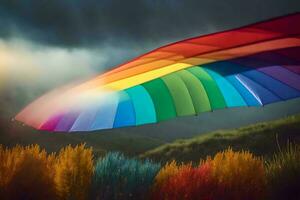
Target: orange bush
{"x": 239, "y": 175}
{"x": 73, "y": 172}
{"x": 10, "y": 158}
{"x": 31, "y": 173}
{"x": 169, "y": 170}
{"x": 26, "y": 173}
{"x": 162, "y": 189}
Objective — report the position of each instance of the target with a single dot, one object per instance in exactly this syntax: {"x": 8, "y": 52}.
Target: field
{"x": 262, "y": 139}
{"x": 154, "y": 164}
{"x": 75, "y": 173}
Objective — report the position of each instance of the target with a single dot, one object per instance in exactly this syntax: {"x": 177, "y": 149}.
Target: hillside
{"x": 12, "y": 133}
{"x": 262, "y": 139}
{"x": 138, "y": 140}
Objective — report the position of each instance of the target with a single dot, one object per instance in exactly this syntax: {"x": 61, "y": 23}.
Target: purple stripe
{"x": 283, "y": 75}
{"x": 288, "y": 74}
{"x": 85, "y": 119}
{"x": 293, "y": 68}
{"x": 67, "y": 121}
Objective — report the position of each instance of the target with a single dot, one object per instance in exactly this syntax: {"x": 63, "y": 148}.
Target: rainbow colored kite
{"x": 254, "y": 65}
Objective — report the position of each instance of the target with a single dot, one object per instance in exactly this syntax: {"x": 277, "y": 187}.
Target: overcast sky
{"x": 74, "y": 23}
{"x": 48, "y": 43}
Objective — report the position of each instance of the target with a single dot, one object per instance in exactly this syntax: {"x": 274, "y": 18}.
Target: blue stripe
{"x": 264, "y": 95}
{"x": 231, "y": 95}
{"x": 244, "y": 92}
{"x": 282, "y": 90}
{"x": 125, "y": 115}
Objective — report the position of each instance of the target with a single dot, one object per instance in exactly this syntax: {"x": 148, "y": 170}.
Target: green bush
{"x": 117, "y": 177}
{"x": 283, "y": 173}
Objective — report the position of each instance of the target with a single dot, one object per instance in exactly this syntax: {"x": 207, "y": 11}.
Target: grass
{"x": 262, "y": 139}
{"x": 283, "y": 173}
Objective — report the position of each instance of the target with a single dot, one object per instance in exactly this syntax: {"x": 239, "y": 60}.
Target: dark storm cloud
{"x": 135, "y": 22}
{"x": 66, "y": 40}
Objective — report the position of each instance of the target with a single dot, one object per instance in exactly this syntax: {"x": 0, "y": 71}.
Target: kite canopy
{"x": 250, "y": 66}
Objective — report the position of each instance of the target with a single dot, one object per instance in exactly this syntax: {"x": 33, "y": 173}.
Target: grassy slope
{"x": 259, "y": 138}
{"x": 130, "y": 144}
{"x": 262, "y": 139}
{"x": 136, "y": 140}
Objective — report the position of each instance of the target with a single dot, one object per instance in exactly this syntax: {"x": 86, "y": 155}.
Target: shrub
{"x": 10, "y": 158}
{"x": 73, "y": 172}
{"x": 229, "y": 175}
{"x": 283, "y": 173}
{"x": 239, "y": 175}
{"x": 169, "y": 170}
{"x": 116, "y": 177}
{"x": 186, "y": 183}
{"x": 26, "y": 173}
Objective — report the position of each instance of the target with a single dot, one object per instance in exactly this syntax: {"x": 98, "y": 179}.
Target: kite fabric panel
{"x": 254, "y": 65}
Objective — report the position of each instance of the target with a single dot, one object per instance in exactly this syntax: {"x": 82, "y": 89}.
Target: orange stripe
{"x": 216, "y": 56}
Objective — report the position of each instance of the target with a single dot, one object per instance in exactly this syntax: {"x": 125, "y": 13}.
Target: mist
{"x": 29, "y": 69}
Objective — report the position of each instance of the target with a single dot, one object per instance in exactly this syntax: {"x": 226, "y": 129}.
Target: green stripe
{"x": 214, "y": 94}
{"x": 196, "y": 90}
{"x": 179, "y": 92}
{"x": 161, "y": 98}
{"x": 143, "y": 105}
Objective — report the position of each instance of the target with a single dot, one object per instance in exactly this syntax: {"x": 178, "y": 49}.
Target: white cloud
{"x": 22, "y": 61}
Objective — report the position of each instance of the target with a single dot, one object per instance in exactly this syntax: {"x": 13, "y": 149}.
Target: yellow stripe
{"x": 142, "y": 78}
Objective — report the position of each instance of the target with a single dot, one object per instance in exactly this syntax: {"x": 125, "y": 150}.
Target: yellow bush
{"x": 73, "y": 172}
{"x": 26, "y": 173}
{"x": 241, "y": 173}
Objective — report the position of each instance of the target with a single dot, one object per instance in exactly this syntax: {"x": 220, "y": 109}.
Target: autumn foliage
{"x": 31, "y": 173}
{"x": 229, "y": 175}
{"x": 183, "y": 181}
{"x": 241, "y": 173}
{"x": 26, "y": 173}
{"x": 73, "y": 172}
